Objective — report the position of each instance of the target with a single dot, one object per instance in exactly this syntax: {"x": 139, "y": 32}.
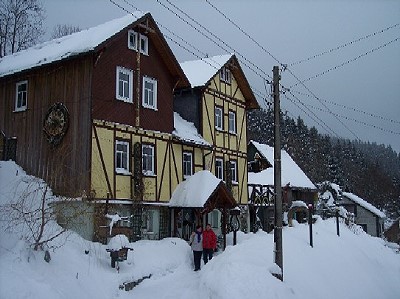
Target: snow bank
{"x": 354, "y": 265}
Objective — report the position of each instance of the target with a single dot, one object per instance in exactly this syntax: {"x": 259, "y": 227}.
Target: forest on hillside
{"x": 366, "y": 169}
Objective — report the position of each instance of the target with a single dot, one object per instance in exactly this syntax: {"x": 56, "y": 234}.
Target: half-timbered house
{"x": 92, "y": 114}
{"x": 216, "y": 104}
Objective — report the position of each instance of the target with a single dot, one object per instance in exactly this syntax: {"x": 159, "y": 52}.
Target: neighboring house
{"x": 365, "y": 214}
{"x": 392, "y": 234}
{"x": 92, "y": 114}
{"x": 296, "y": 186}
{"x": 216, "y": 104}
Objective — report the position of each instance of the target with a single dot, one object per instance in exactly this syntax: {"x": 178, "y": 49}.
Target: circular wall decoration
{"x": 55, "y": 123}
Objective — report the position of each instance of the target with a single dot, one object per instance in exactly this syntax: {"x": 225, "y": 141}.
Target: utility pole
{"x": 278, "y": 252}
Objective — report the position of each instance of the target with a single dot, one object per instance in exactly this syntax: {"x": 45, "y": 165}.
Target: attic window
{"x": 225, "y": 75}
{"x": 21, "y": 96}
{"x": 138, "y": 41}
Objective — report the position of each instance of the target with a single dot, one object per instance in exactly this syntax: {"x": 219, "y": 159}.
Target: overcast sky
{"x": 359, "y": 99}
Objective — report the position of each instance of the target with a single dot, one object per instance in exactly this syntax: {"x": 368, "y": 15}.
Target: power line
{"x": 214, "y": 36}
{"x": 345, "y": 63}
{"x": 320, "y": 122}
{"x": 283, "y": 65}
{"x": 350, "y": 108}
{"x": 344, "y": 45}
{"x": 323, "y": 104}
{"x": 244, "y": 32}
{"x": 357, "y": 121}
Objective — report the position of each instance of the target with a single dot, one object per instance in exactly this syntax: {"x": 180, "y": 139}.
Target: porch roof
{"x": 202, "y": 190}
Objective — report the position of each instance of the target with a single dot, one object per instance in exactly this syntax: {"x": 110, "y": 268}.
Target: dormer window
{"x": 138, "y": 41}
{"x": 225, "y": 75}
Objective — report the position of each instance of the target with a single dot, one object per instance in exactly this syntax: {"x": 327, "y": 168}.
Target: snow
{"x": 199, "y": 72}
{"x": 291, "y": 173}
{"x": 67, "y": 46}
{"x": 364, "y": 204}
{"x": 117, "y": 242}
{"x": 354, "y": 265}
{"x": 195, "y": 191}
{"x": 186, "y": 131}
{"x": 298, "y": 203}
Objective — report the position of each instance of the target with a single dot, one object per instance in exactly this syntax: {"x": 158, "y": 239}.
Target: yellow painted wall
{"x": 98, "y": 177}
{"x": 227, "y": 145}
{"x": 168, "y": 163}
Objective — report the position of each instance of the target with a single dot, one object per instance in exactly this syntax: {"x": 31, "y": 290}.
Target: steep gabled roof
{"x": 358, "y": 200}
{"x": 64, "y": 47}
{"x": 202, "y": 190}
{"x": 200, "y": 72}
{"x": 291, "y": 172}
{"x": 87, "y": 41}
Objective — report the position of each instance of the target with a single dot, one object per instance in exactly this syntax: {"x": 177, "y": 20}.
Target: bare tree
{"x": 30, "y": 215}
{"x": 21, "y": 24}
{"x": 63, "y": 30}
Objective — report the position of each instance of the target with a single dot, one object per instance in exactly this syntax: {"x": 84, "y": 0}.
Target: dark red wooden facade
{"x": 85, "y": 84}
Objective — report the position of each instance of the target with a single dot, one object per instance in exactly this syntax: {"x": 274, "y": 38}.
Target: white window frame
{"x": 129, "y": 97}
{"x": 134, "y": 34}
{"x": 233, "y": 171}
{"x": 19, "y": 106}
{"x": 145, "y": 91}
{"x": 148, "y": 170}
{"x": 219, "y": 118}
{"x": 144, "y": 50}
{"x": 124, "y": 154}
{"x": 219, "y": 168}
{"x": 232, "y": 122}
{"x": 187, "y": 164}
{"x": 225, "y": 75}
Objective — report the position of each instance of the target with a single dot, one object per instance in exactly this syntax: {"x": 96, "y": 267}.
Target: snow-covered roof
{"x": 199, "y": 72}
{"x": 291, "y": 172}
{"x": 186, "y": 131}
{"x": 195, "y": 191}
{"x": 67, "y": 46}
{"x": 364, "y": 204}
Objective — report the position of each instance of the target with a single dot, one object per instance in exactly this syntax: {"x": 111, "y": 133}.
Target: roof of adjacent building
{"x": 186, "y": 131}
{"x": 201, "y": 71}
{"x": 291, "y": 173}
{"x": 364, "y": 204}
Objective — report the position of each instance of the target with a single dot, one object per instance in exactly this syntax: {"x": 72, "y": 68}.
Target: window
{"x": 21, "y": 96}
{"x": 219, "y": 118}
{"x": 232, "y": 122}
{"x": 121, "y": 156}
{"x": 132, "y": 40}
{"x": 148, "y": 159}
{"x": 124, "y": 84}
{"x": 149, "y": 96}
{"x": 187, "y": 164}
{"x": 234, "y": 171}
{"x": 219, "y": 168}
{"x": 225, "y": 75}
{"x": 136, "y": 40}
{"x": 144, "y": 44}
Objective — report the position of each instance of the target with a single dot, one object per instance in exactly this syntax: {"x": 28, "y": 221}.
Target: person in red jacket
{"x": 209, "y": 243}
